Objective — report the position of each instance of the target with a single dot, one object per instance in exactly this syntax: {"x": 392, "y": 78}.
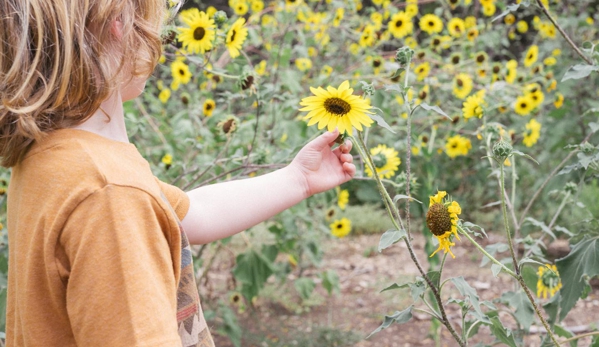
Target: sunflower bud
{"x": 587, "y": 148}
{"x": 502, "y": 150}
{"x": 368, "y": 89}
{"x": 571, "y": 188}
{"x": 220, "y": 17}
{"x": 404, "y": 55}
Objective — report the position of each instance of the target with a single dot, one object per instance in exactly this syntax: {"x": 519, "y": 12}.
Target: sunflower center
{"x": 233, "y": 33}
{"x": 181, "y": 72}
{"x": 339, "y": 226}
{"x": 459, "y": 82}
{"x": 523, "y": 105}
{"x": 436, "y": 42}
{"x": 431, "y": 23}
{"x": 480, "y": 58}
{"x": 399, "y": 23}
{"x": 208, "y": 107}
{"x": 438, "y": 219}
{"x": 199, "y": 33}
{"x": 454, "y": 145}
{"x": 380, "y": 160}
{"x": 337, "y": 106}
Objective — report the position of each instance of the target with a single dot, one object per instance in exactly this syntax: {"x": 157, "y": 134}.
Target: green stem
{"x": 409, "y": 149}
{"x": 574, "y": 338}
{"x": 483, "y": 251}
{"x": 516, "y": 267}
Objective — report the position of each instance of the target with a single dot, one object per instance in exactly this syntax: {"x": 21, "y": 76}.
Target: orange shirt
{"x": 97, "y": 255}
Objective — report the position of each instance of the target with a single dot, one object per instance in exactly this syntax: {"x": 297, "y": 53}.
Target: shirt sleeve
{"x": 177, "y": 198}
{"x": 121, "y": 289}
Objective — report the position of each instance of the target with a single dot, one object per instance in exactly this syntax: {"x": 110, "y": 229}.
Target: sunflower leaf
{"x": 434, "y": 108}
{"x": 398, "y": 317}
{"x": 401, "y": 196}
{"x": 579, "y": 71}
{"x": 582, "y": 262}
{"x": 511, "y": 8}
{"x": 541, "y": 225}
{"x": 380, "y": 121}
{"x": 525, "y": 156}
{"x": 398, "y": 72}
{"x": 395, "y": 286}
{"x": 390, "y": 237}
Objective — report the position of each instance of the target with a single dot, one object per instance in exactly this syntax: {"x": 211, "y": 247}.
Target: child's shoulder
{"x": 81, "y": 162}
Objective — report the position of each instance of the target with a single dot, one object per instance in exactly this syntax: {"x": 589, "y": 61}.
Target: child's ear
{"x": 116, "y": 29}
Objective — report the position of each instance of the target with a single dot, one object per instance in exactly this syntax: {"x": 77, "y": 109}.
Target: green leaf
{"x": 541, "y": 225}
{"x": 579, "y": 71}
{"x": 330, "y": 281}
{"x": 552, "y": 308}
{"x": 417, "y": 289}
{"x": 230, "y": 327}
{"x": 518, "y": 153}
{"x": 398, "y": 317}
{"x": 390, "y": 237}
{"x": 304, "y": 286}
{"x": 253, "y": 269}
{"x": 530, "y": 278}
{"x": 435, "y": 277}
{"x": 469, "y": 226}
{"x": 496, "y": 269}
{"x": 395, "y": 286}
{"x": 401, "y": 196}
{"x": 583, "y": 260}
{"x": 381, "y": 122}
{"x": 502, "y": 333}
{"x": 564, "y": 332}
{"x": 398, "y": 72}
{"x": 527, "y": 260}
{"x": 524, "y": 312}
{"x": 594, "y": 127}
{"x": 511, "y": 8}
{"x": 469, "y": 292}
{"x": 434, "y": 108}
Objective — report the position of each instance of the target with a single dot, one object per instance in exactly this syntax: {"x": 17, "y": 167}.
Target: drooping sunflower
{"x": 442, "y": 219}
{"x": 431, "y": 24}
{"x": 343, "y": 199}
{"x": 457, "y": 145}
{"x": 386, "y": 161}
{"x": 531, "y": 55}
{"x": 400, "y": 25}
{"x": 235, "y": 37}
{"x": 199, "y": 36}
{"x": 523, "y": 105}
{"x": 532, "y": 133}
{"x": 549, "y": 281}
{"x": 336, "y": 108}
{"x": 473, "y": 107}
{"x": 462, "y": 85}
{"x": 341, "y": 227}
{"x": 209, "y": 106}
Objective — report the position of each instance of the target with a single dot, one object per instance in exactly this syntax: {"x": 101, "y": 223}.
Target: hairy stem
{"x": 563, "y": 33}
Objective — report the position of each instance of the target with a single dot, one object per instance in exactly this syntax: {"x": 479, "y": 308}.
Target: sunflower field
{"x": 474, "y": 129}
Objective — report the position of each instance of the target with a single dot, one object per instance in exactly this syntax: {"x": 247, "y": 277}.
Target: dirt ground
{"x": 279, "y": 318}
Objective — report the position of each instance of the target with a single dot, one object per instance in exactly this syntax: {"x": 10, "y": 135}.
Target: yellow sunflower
{"x": 303, "y": 64}
{"x": 235, "y": 37}
{"x": 442, "y": 219}
{"x": 531, "y": 56}
{"x": 181, "y": 74}
{"x": 368, "y": 37}
{"x": 400, "y": 25}
{"x": 337, "y": 108}
{"x": 431, "y": 24}
{"x": 209, "y": 106}
{"x": 200, "y": 34}
{"x": 422, "y": 70}
{"x": 462, "y": 85}
{"x": 456, "y": 27}
{"x": 343, "y": 199}
{"x": 549, "y": 281}
{"x": 524, "y": 105}
{"x": 457, "y": 145}
{"x": 164, "y": 95}
{"x": 532, "y": 133}
{"x": 559, "y": 100}
{"x": 341, "y": 227}
{"x": 386, "y": 161}
{"x": 473, "y": 107}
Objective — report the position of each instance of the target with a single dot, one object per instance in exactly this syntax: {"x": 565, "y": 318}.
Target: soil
{"x": 280, "y": 318}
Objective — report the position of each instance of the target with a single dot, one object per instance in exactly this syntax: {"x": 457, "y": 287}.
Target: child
{"x": 98, "y": 255}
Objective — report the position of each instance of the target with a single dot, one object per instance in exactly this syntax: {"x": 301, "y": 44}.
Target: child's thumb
{"x": 325, "y": 140}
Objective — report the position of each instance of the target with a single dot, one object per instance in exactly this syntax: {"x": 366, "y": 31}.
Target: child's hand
{"x": 321, "y": 167}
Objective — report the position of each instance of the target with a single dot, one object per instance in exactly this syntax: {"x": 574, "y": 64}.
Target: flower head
{"x": 343, "y": 199}
{"x": 336, "y": 108}
{"x": 235, "y": 37}
{"x": 532, "y": 133}
{"x": 549, "y": 281}
{"x": 462, "y": 85}
{"x": 341, "y": 227}
{"x": 431, "y": 24}
{"x": 457, "y": 145}
{"x": 200, "y": 34}
{"x": 441, "y": 219}
{"x": 209, "y": 106}
{"x": 386, "y": 161}
{"x": 531, "y": 56}
{"x": 473, "y": 106}
{"x": 400, "y": 25}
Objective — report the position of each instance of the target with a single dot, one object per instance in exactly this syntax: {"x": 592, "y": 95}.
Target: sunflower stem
{"x": 388, "y": 203}
{"x": 483, "y": 251}
{"x": 515, "y": 261}
{"x": 408, "y": 149}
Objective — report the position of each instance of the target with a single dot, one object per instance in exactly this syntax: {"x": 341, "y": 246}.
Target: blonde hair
{"x": 56, "y": 65}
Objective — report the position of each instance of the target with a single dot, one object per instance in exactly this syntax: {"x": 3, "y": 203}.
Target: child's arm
{"x": 221, "y": 210}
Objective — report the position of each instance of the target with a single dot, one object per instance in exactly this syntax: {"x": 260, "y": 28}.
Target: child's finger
{"x": 346, "y": 158}
{"x": 346, "y": 147}
{"x": 327, "y": 139}
{"x": 349, "y": 169}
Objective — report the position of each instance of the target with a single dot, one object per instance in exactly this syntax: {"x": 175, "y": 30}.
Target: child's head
{"x": 59, "y": 59}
